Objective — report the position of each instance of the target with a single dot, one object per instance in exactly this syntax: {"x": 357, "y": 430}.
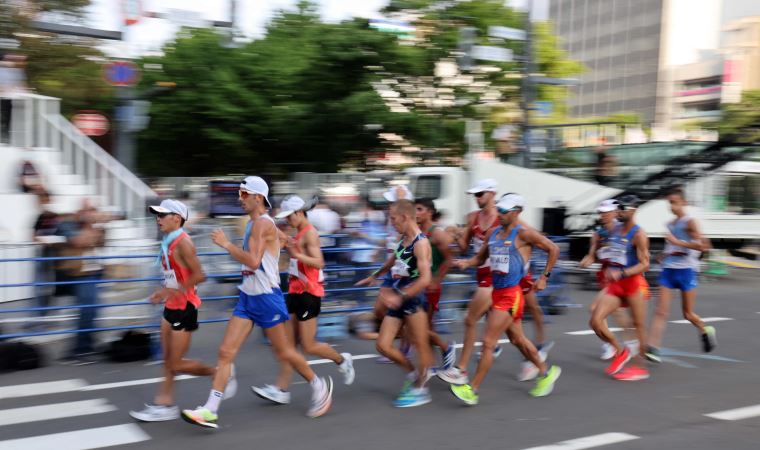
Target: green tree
{"x": 740, "y": 122}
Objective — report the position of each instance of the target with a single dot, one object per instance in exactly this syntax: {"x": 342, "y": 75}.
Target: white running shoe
{"x": 529, "y": 371}
{"x": 608, "y": 352}
{"x": 321, "y": 398}
{"x": 633, "y": 346}
{"x": 453, "y": 375}
{"x": 156, "y": 413}
{"x": 272, "y": 393}
{"x": 232, "y": 385}
{"x": 347, "y": 369}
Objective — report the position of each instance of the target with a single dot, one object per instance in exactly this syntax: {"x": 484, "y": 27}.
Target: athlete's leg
{"x": 237, "y": 332}
{"x": 417, "y": 330}
{"x": 389, "y": 328}
{"x": 660, "y": 319}
{"x": 286, "y": 371}
{"x": 687, "y": 305}
{"x": 518, "y": 339}
{"x": 477, "y": 307}
{"x": 435, "y": 338}
{"x": 537, "y": 314}
{"x": 307, "y": 332}
{"x": 286, "y": 352}
{"x": 638, "y": 308}
{"x": 606, "y": 305}
{"x": 496, "y": 325}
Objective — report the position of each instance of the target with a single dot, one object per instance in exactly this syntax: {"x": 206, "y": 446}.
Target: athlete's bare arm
{"x": 590, "y": 258}
{"x": 312, "y": 254}
{"x": 533, "y": 238}
{"x": 464, "y": 241}
{"x": 698, "y": 242}
{"x": 264, "y": 232}
{"x": 480, "y": 258}
{"x": 641, "y": 241}
{"x": 379, "y": 272}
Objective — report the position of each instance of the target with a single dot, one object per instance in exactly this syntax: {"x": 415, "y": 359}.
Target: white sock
{"x": 316, "y": 383}
{"x": 214, "y": 400}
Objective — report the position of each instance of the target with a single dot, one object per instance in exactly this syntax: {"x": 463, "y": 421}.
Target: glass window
{"x": 428, "y": 186}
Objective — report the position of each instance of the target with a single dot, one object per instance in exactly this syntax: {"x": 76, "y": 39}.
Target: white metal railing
{"x": 37, "y": 122}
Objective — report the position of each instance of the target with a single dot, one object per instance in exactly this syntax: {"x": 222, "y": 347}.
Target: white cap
{"x": 289, "y": 205}
{"x": 510, "y": 202}
{"x": 391, "y": 195}
{"x": 170, "y": 206}
{"x": 256, "y": 185}
{"x": 486, "y": 185}
{"x": 608, "y": 205}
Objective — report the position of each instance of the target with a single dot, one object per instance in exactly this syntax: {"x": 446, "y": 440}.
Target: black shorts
{"x": 305, "y": 306}
{"x": 182, "y": 319}
{"x": 409, "y": 307}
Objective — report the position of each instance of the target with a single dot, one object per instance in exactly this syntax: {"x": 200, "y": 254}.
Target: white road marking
{"x": 597, "y": 440}
{"x": 80, "y": 439}
{"x": 98, "y": 387}
{"x": 704, "y": 319}
{"x": 54, "y": 411}
{"x": 736, "y": 414}
{"x": 32, "y": 389}
{"x": 588, "y": 332}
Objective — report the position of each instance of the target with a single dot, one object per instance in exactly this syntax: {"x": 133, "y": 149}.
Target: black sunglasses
{"x": 162, "y": 215}
{"x": 479, "y": 194}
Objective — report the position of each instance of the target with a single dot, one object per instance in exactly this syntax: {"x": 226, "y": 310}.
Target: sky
{"x": 252, "y": 17}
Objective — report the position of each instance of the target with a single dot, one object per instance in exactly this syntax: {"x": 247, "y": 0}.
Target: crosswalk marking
{"x": 54, "y": 411}
{"x": 596, "y": 440}
{"x": 81, "y": 439}
{"x": 587, "y": 332}
{"x": 50, "y": 387}
{"x": 736, "y": 414}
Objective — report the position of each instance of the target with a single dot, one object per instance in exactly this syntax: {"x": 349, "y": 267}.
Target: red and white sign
{"x": 91, "y": 124}
{"x": 132, "y": 10}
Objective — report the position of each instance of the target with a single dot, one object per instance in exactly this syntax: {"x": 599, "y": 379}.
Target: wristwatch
{"x": 547, "y": 274}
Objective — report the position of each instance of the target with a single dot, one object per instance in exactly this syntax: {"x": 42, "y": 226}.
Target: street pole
{"x": 527, "y": 86}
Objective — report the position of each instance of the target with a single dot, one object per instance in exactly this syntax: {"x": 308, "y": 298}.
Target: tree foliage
{"x": 741, "y": 121}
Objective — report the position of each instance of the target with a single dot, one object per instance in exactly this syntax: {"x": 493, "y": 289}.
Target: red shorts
{"x": 628, "y": 287}
{"x": 526, "y": 283}
{"x": 433, "y": 296}
{"x": 483, "y": 275}
{"x": 509, "y": 299}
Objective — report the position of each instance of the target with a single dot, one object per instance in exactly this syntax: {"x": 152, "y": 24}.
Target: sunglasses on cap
{"x": 505, "y": 211}
{"x": 162, "y": 215}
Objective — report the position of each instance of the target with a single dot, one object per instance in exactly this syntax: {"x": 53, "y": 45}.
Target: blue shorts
{"x": 408, "y": 307}
{"x": 264, "y": 310}
{"x": 682, "y": 279}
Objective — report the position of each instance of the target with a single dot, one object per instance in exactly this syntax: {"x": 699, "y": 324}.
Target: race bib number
{"x": 612, "y": 254}
{"x": 400, "y": 269}
{"x": 170, "y": 280}
{"x": 500, "y": 263}
{"x": 293, "y": 267}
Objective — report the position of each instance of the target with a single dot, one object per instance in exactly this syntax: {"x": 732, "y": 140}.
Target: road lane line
{"x": 705, "y": 320}
{"x": 54, "y": 411}
{"x": 736, "y": 414}
{"x": 118, "y": 384}
{"x": 587, "y": 332}
{"x": 49, "y": 387}
{"x": 597, "y": 440}
{"x": 80, "y": 439}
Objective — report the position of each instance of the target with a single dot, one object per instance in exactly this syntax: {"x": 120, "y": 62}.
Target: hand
{"x": 220, "y": 238}
{"x": 391, "y": 299}
{"x": 614, "y": 274}
{"x": 540, "y": 284}
{"x": 461, "y": 264}
{"x": 367, "y": 281}
{"x": 161, "y": 295}
{"x": 292, "y": 248}
{"x": 586, "y": 261}
{"x": 660, "y": 257}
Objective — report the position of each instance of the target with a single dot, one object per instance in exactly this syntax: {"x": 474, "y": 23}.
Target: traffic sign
{"x": 507, "y": 33}
{"x": 122, "y": 73}
{"x": 490, "y": 53}
{"x": 91, "y": 123}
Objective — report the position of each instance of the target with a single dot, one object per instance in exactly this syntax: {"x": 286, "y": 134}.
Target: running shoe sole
{"x": 463, "y": 380}
{"x": 423, "y": 401}
{"x": 192, "y": 421}
{"x": 551, "y": 388}
{"x": 261, "y": 394}
{"x": 137, "y": 416}
{"x": 326, "y": 406}
{"x": 620, "y": 366}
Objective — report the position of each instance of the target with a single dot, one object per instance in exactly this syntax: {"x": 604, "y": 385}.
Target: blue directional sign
{"x": 121, "y": 73}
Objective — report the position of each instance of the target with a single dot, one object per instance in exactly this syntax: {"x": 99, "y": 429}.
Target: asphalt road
{"x": 69, "y": 407}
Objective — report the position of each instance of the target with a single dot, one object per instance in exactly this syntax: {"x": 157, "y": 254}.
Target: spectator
{"x": 12, "y": 82}
{"x": 327, "y": 222}
{"x": 83, "y": 237}
{"x": 30, "y": 180}
{"x": 45, "y": 230}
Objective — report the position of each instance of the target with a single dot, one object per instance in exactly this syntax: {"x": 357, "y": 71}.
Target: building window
{"x": 428, "y": 186}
